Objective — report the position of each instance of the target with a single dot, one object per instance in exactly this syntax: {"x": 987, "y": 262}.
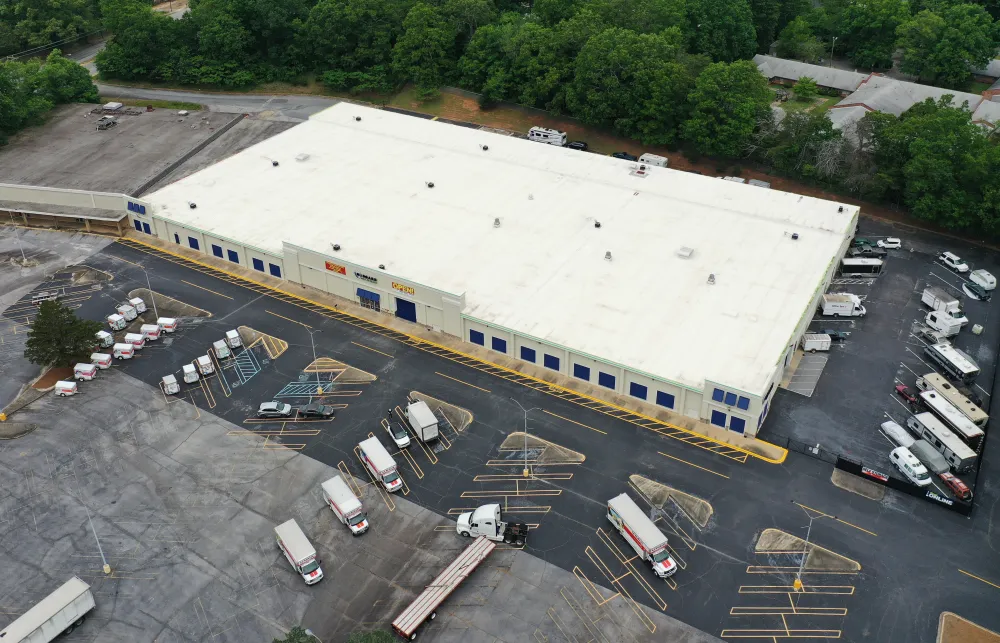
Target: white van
{"x": 546, "y": 135}
{"x": 345, "y": 505}
{"x": 299, "y": 551}
{"x": 127, "y": 311}
{"x": 100, "y": 360}
{"x": 233, "y": 339}
{"x": 653, "y": 159}
{"x": 910, "y": 466}
{"x": 65, "y": 389}
{"x": 221, "y": 349}
{"x": 123, "y": 351}
{"x": 84, "y": 372}
{"x": 381, "y": 465}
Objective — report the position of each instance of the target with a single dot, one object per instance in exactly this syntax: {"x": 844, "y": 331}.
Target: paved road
{"x": 282, "y": 107}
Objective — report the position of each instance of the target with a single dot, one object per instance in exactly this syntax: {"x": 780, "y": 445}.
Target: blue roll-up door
{"x": 367, "y": 294}
{"x": 145, "y": 228}
{"x": 406, "y": 310}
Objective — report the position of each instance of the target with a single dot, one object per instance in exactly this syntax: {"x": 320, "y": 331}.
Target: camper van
{"x": 653, "y": 159}
{"x": 545, "y": 135}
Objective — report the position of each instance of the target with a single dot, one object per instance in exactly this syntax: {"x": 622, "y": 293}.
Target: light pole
{"x": 24, "y": 260}
{"x": 797, "y": 584}
{"x": 152, "y": 297}
{"x": 527, "y": 472}
{"x": 310, "y": 633}
{"x": 832, "y": 45}
{"x": 107, "y": 567}
{"x": 319, "y": 385}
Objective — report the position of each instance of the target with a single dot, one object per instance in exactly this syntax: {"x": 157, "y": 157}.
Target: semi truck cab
{"x": 488, "y": 521}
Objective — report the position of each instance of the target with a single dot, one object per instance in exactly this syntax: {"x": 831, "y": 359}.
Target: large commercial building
{"x": 686, "y": 292}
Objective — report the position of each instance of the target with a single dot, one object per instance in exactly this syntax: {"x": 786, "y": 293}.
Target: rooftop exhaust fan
{"x": 274, "y": 164}
{"x": 381, "y": 266}
{"x": 496, "y": 222}
{"x": 192, "y": 205}
{"x": 430, "y": 184}
{"x": 336, "y": 247}
{"x": 357, "y": 118}
{"x": 484, "y": 148}
{"x": 795, "y": 236}
{"x": 684, "y": 252}
{"x": 597, "y": 224}
{"x": 607, "y": 255}
{"x": 711, "y": 279}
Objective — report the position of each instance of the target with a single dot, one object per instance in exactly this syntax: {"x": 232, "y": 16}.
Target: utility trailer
{"x": 424, "y": 607}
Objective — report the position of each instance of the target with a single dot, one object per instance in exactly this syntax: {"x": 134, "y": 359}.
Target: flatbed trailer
{"x": 424, "y": 607}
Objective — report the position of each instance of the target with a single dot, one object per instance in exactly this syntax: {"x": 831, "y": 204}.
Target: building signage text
{"x": 336, "y": 267}
{"x": 933, "y": 495}
{"x": 363, "y": 277}
{"x": 875, "y": 474}
{"x": 404, "y": 288}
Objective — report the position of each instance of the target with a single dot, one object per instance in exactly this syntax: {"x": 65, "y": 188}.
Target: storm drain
{"x": 807, "y": 375}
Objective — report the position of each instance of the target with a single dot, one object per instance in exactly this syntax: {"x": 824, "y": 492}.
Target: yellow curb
{"x": 421, "y": 340}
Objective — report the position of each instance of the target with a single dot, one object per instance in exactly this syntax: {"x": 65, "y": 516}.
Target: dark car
{"x": 274, "y": 410}
{"x": 625, "y": 156}
{"x": 904, "y": 392}
{"x": 835, "y": 335}
{"x": 578, "y": 145}
{"x": 974, "y": 290}
{"x": 860, "y": 242}
{"x": 316, "y": 410}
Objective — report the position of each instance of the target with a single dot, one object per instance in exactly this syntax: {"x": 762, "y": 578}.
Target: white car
{"x": 910, "y": 466}
{"x": 953, "y": 261}
{"x": 398, "y": 434}
{"x": 890, "y": 243}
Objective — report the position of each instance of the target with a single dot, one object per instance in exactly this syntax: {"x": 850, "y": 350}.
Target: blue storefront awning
{"x": 367, "y": 294}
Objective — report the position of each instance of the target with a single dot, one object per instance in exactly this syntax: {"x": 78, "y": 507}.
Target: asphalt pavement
{"x": 290, "y": 107}
{"x": 889, "y": 600}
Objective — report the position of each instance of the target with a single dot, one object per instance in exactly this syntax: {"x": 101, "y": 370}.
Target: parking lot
{"x": 578, "y": 456}
{"x": 854, "y": 394}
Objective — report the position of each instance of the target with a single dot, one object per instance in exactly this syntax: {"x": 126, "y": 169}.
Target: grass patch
{"x": 977, "y": 88}
{"x": 159, "y": 104}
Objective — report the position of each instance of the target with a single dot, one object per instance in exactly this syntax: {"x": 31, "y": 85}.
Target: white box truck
{"x": 641, "y": 533}
{"x": 843, "y": 305}
{"x": 422, "y": 421}
{"x": 488, "y": 521}
{"x": 169, "y": 385}
{"x": 380, "y": 464}
{"x": 345, "y": 505}
{"x": 204, "y": 364}
{"x": 190, "y": 373}
{"x": 812, "y": 342}
{"x": 60, "y": 612}
{"x": 938, "y": 299}
{"x": 943, "y": 322}
{"x": 233, "y": 339}
{"x": 221, "y": 348}
{"x": 299, "y": 551}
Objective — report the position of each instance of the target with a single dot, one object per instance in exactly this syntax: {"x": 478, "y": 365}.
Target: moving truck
{"x": 422, "y": 421}
{"x": 100, "y": 360}
{"x": 127, "y": 311}
{"x": 65, "y": 389}
{"x": 233, "y": 339}
{"x": 204, "y": 364}
{"x": 138, "y": 304}
{"x": 843, "y": 305}
{"x": 84, "y": 372}
{"x": 221, "y": 349}
{"x": 123, "y": 351}
{"x": 641, "y": 533}
{"x": 170, "y": 385}
{"x": 116, "y": 322}
{"x": 487, "y": 521}
{"x": 299, "y": 551}
{"x": 345, "y": 505}
{"x": 381, "y": 465}
{"x": 60, "y": 612}
{"x": 168, "y": 324}
{"x": 938, "y": 299}
{"x": 136, "y": 340}
{"x": 105, "y": 339}
{"x": 150, "y": 331}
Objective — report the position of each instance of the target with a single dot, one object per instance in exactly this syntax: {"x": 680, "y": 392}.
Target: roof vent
{"x": 381, "y": 266}
{"x": 639, "y": 170}
{"x": 484, "y": 148}
{"x": 302, "y": 157}
{"x": 336, "y": 247}
{"x": 795, "y": 236}
{"x": 496, "y": 222}
{"x": 531, "y": 197}
{"x": 840, "y": 209}
{"x": 607, "y": 255}
{"x": 597, "y": 224}
{"x": 357, "y": 118}
{"x": 192, "y": 205}
{"x": 684, "y": 252}
{"x": 274, "y": 164}
{"x": 711, "y": 279}
{"x": 430, "y": 184}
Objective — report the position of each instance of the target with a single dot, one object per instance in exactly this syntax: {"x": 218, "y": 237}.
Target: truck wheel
{"x": 465, "y": 533}
{"x": 433, "y": 616}
{"x": 413, "y": 637}
{"x": 812, "y": 350}
{"x": 79, "y": 622}
{"x": 520, "y": 541}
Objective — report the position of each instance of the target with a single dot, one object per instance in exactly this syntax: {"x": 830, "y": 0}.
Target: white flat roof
{"x": 543, "y": 272}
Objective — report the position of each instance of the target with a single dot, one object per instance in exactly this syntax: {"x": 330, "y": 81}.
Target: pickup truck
{"x": 487, "y": 521}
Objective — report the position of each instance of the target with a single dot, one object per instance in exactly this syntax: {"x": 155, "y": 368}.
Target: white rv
{"x": 545, "y": 135}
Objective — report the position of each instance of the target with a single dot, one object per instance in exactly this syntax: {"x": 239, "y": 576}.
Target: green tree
{"x": 633, "y": 83}
{"x": 806, "y": 88}
{"x": 143, "y": 39}
{"x": 868, "y": 29}
{"x": 722, "y": 29}
{"x": 350, "y": 35}
{"x": 766, "y": 14}
{"x": 802, "y": 145}
{"x": 469, "y": 15}
{"x": 797, "y": 41}
{"x": 423, "y": 52}
{"x": 58, "y": 337}
{"x": 727, "y": 102}
{"x": 378, "y": 636}
{"x": 642, "y": 16}
{"x": 36, "y": 23}
{"x": 28, "y": 90}
{"x": 297, "y": 635}
{"x": 60, "y": 80}
{"x": 941, "y": 47}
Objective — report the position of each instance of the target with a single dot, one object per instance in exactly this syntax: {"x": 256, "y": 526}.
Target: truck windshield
{"x": 310, "y": 567}
{"x": 922, "y": 475}
{"x": 355, "y": 520}
{"x": 391, "y": 478}
{"x": 660, "y": 556}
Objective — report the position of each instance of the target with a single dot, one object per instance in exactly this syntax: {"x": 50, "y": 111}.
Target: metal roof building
{"x": 672, "y": 288}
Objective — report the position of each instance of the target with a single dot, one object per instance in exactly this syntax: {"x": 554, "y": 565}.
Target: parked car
{"x": 836, "y": 335}
{"x": 274, "y": 409}
{"x": 976, "y": 291}
{"x": 868, "y": 252}
{"x": 860, "y": 242}
{"x": 578, "y": 145}
{"x": 953, "y": 261}
{"x": 959, "y": 488}
{"x": 316, "y": 410}
{"x": 904, "y": 392}
{"x": 398, "y": 434}
{"x": 890, "y": 243}
{"x": 625, "y": 156}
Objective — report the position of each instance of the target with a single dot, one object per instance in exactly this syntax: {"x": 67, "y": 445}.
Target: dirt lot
{"x": 955, "y": 629}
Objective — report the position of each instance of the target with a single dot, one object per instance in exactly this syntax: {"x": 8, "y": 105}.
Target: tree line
{"x": 29, "y": 24}
{"x": 28, "y": 90}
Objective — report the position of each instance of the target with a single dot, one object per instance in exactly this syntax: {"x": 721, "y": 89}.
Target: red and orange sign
{"x": 336, "y": 267}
